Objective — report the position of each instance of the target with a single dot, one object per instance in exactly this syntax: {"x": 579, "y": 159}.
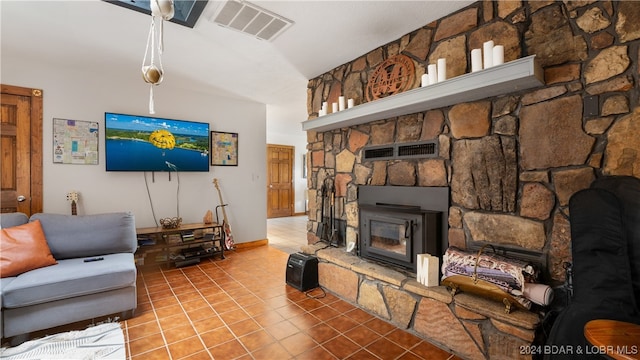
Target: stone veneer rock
{"x": 512, "y": 162}
{"x": 470, "y": 326}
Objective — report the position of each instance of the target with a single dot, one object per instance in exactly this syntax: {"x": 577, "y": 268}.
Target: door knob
{"x": 270, "y": 186}
{"x": 21, "y": 198}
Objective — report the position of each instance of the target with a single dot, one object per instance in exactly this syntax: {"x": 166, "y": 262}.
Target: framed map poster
{"x": 75, "y": 142}
{"x": 224, "y": 148}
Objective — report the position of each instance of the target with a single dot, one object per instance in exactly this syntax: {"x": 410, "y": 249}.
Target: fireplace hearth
{"x": 397, "y": 223}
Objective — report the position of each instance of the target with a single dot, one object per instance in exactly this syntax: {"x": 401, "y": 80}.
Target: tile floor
{"x": 241, "y": 308}
{"x": 287, "y": 233}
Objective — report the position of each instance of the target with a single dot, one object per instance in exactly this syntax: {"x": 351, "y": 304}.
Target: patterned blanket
{"x": 510, "y": 275}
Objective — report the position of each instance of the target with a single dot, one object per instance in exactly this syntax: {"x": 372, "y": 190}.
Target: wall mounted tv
{"x": 142, "y": 143}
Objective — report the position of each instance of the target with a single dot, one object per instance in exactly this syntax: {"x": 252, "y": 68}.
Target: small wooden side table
{"x": 616, "y": 339}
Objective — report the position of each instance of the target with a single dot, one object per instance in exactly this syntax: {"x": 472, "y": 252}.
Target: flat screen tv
{"x": 142, "y": 143}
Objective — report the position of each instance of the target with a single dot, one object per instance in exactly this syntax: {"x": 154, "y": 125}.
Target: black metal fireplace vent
{"x": 423, "y": 149}
{"x": 379, "y": 153}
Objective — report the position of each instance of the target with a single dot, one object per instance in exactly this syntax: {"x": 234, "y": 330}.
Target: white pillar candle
{"x": 425, "y": 79}
{"x": 322, "y": 112}
{"x": 325, "y": 106}
{"x": 433, "y": 74}
{"x": 498, "y": 55}
{"x": 341, "y": 103}
{"x": 487, "y": 52}
{"x": 350, "y": 103}
{"x": 442, "y": 70}
{"x": 334, "y": 107}
{"x": 476, "y": 60}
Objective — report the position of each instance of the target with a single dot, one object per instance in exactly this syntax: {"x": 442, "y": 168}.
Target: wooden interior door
{"x": 21, "y": 150}
{"x": 280, "y": 196}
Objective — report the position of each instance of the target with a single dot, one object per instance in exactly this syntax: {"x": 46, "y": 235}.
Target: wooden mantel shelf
{"x": 516, "y": 75}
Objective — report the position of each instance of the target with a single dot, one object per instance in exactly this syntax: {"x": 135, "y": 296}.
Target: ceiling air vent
{"x": 424, "y": 149}
{"x": 250, "y": 19}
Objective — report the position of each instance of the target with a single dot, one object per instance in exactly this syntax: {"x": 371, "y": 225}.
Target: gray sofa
{"x": 72, "y": 290}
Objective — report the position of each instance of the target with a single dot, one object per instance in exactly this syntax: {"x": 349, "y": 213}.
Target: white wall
{"x": 85, "y": 94}
{"x": 284, "y": 128}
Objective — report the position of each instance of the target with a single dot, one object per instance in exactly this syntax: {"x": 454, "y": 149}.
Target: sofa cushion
{"x": 4, "y": 282}
{"x": 13, "y": 219}
{"x": 23, "y": 248}
{"x": 82, "y": 236}
{"x": 70, "y": 278}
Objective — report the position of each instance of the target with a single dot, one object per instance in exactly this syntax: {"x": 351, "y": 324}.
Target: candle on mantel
{"x": 341, "y": 104}
{"x": 334, "y": 107}
{"x": 487, "y": 52}
{"x": 498, "y": 55}
{"x": 323, "y": 109}
{"x": 425, "y": 79}
{"x": 476, "y": 60}
{"x": 433, "y": 74}
{"x": 442, "y": 70}
{"x": 350, "y": 103}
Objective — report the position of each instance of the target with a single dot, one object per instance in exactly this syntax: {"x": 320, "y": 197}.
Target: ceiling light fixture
{"x": 153, "y": 72}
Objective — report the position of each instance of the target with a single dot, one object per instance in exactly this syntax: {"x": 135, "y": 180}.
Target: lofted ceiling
{"x": 94, "y": 34}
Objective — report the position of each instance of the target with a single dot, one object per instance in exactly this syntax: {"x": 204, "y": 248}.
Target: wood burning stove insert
{"x": 395, "y": 234}
{"x": 397, "y": 223}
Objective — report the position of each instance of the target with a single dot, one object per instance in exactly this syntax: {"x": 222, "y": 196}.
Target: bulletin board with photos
{"x": 75, "y": 142}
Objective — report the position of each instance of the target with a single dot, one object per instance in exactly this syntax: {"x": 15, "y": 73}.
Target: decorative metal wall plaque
{"x": 392, "y": 76}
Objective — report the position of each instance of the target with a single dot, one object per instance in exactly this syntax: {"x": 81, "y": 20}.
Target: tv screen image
{"x": 142, "y": 143}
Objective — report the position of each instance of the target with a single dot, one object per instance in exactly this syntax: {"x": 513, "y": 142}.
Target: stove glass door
{"x": 390, "y": 236}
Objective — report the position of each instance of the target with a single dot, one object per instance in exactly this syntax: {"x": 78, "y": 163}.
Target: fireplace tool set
{"x": 327, "y": 230}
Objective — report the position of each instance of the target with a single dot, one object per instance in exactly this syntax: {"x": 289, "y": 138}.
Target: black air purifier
{"x": 302, "y": 271}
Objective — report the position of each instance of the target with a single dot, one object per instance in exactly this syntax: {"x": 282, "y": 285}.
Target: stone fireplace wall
{"x": 512, "y": 162}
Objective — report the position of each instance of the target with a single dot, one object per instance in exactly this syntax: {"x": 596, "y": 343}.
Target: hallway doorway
{"x": 280, "y": 195}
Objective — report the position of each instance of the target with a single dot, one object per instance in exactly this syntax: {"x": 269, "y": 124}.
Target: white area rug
{"x": 104, "y": 341}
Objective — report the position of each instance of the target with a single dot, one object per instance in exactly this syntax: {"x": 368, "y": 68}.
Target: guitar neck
{"x": 229, "y": 243}
{"x": 224, "y": 213}
{"x": 73, "y": 198}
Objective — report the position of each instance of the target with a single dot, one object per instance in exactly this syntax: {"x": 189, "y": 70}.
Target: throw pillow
{"x": 24, "y": 248}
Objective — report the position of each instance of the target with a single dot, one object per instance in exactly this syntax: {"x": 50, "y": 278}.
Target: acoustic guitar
{"x": 229, "y": 243}
{"x": 73, "y": 196}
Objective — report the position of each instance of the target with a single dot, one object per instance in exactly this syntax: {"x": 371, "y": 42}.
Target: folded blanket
{"x": 510, "y": 275}
{"x": 516, "y": 269}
